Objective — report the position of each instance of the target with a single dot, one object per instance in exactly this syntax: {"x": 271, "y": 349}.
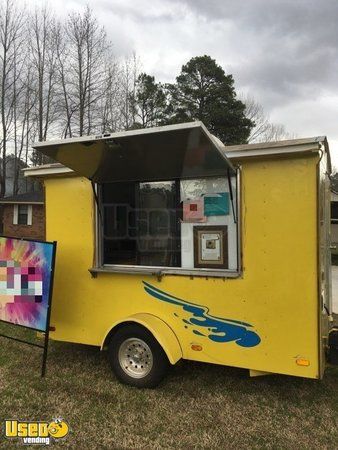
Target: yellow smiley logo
{"x": 58, "y": 429}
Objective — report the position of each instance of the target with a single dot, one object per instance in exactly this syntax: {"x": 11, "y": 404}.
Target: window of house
{"x": 184, "y": 224}
{"x": 22, "y": 215}
{"x": 334, "y": 212}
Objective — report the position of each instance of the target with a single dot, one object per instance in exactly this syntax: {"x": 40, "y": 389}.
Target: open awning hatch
{"x": 185, "y": 150}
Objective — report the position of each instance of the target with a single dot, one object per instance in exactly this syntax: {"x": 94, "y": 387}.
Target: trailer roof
{"x": 290, "y": 146}
{"x": 184, "y": 150}
{"x": 234, "y": 153}
{"x": 276, "y": 144}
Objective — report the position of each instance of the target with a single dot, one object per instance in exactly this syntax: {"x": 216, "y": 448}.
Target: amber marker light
{"x": 302, "y": 362}
{"x": 196, "y": 347}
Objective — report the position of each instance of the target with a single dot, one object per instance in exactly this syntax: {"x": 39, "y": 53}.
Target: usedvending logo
{"x": 41, "y": 433}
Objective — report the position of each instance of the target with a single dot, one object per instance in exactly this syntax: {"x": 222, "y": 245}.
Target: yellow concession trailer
{"x": 171, "y": 246}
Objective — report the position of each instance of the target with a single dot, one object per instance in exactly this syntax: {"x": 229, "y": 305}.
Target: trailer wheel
{"x": 136, "y": 357}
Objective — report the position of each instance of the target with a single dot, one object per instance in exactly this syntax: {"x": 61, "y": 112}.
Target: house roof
{"x": 30, "y": 198}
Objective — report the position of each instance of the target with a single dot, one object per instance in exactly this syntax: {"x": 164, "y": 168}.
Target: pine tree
{"x": 204, "y": 92}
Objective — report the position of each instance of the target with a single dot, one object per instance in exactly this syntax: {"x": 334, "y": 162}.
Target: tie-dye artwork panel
{"x": 25, "y": 281}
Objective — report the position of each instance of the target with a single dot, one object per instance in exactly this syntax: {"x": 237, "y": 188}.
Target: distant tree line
{"x": 59, "y": 78}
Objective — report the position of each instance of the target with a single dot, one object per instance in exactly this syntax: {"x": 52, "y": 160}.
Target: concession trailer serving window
{"x": 166, "y": 199}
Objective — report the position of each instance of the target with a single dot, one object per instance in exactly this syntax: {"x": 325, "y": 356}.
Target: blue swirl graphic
{"x": 217, "y": 329}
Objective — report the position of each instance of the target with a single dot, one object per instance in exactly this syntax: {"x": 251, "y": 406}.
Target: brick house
{"x": 24, "y": 215}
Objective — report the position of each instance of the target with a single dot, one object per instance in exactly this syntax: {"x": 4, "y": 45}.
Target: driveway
{"x": 335, "y": 289}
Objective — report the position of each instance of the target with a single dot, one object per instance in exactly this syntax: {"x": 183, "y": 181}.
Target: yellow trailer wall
{"x": 276, "y": 294}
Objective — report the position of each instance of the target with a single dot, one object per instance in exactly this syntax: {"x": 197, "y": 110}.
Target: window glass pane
{"x": 141, "y": 225}
{"x": 334, "y": 211}
{"x": 159, "y": 223}
{"x": 22, "y": 214}
{"x": 23, "y": 209}
{"x": 119, "y": 243}
{"x": 158, "y": 241}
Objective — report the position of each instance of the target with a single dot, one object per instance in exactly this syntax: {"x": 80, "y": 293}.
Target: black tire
{"x": 130, "y": 337}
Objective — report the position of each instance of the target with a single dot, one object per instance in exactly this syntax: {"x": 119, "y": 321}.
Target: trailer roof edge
{"x": 234, "y": 152}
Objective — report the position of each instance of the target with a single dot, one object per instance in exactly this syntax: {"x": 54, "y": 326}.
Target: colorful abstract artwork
{"x": 25, "y": 281}
{"x": 203, "y": 324}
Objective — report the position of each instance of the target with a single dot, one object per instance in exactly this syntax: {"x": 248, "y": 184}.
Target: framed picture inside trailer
{"x": 211, "y": 246}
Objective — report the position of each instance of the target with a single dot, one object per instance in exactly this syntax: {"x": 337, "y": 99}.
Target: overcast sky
{"x": 282, "y": 52}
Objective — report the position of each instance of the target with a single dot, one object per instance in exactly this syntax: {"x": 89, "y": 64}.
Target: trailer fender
{"x": 158, "y": 328}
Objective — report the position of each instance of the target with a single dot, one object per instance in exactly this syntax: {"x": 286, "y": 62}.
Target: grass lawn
{"x": 197, "y": 406}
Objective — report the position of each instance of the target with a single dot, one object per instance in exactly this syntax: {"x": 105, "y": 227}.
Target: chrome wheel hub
{"x": 135, "y": 358}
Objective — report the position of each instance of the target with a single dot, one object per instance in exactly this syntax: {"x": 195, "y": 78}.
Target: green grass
{"x": 197, "y": 406}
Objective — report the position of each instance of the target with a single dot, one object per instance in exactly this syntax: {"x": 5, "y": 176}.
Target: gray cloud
{"x": 283, "y": 52}
{"x": 295, "y": 42}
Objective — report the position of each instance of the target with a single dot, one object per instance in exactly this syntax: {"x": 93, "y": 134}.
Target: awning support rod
{"x": 231, "y": 197}
{"x": 96, "y": 200}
